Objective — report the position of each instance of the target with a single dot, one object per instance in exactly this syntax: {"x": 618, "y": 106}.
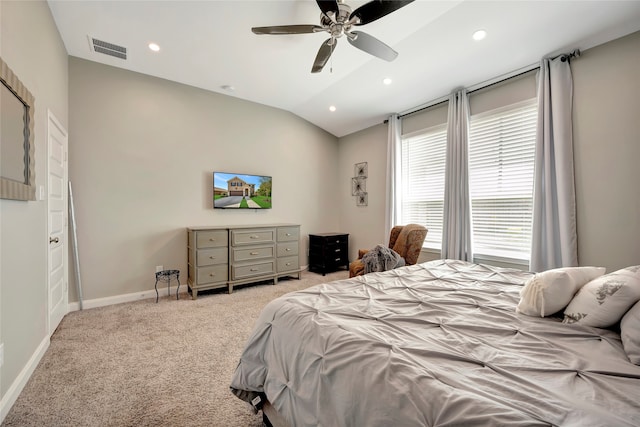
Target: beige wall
{"x": 31, "y": 46}
{"x": 607, "y": 153}
{"x": 142, "y": 151}
{"x": 606, "y": 144}
{"x": 365, "y": 224}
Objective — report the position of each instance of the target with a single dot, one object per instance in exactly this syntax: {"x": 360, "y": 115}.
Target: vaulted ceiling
{"x": 209, "y": 44}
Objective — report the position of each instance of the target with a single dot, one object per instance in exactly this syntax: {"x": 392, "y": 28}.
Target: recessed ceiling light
{"x": 479, "y": 35}
{"x": 332, "y": 108}
{"x": 387, "y": 81}
{"x": 154, "y": 47}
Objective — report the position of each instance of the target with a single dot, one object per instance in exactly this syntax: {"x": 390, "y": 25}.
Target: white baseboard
{"x": 136, "y": 296}
{"x": 14, "y": 391}
{"x": 118, "y": 299}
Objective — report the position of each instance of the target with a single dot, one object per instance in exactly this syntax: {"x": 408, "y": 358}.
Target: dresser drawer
{"x": 287, "y": 249}
{"x": 246, "y": 254}
{"x": 212, "y": 256}
{"x": 288, "y": 263}
{"x": 211, "y": 239}
{"x": 251, "y": 237}
{"x": 256, "y": 269}
{"x": 215, "y": 273}
{"x": 288, "y": 234}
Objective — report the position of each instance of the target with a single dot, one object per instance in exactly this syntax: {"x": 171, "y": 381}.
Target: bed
{"x": 433, "y": 344}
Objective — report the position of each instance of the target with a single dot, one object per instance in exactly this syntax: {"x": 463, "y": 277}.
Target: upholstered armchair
{"x": 406, "y": 240}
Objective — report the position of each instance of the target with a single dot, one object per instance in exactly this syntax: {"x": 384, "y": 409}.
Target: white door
{"x": 58, "y": 214}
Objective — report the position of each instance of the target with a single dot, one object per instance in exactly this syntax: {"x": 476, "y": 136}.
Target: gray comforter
{"x": 433, "y": 344}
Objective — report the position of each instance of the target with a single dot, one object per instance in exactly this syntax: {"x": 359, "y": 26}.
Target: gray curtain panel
{"x": 394, "y": 174}
{"x": 456, "y": 233}
{"x": 554, "y": 236}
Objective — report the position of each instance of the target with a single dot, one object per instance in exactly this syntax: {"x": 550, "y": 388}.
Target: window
{"x": 501, "y": 162}
{"x": 423, "y": 162}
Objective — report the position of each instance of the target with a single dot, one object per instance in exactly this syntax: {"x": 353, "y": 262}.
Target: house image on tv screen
{"x": 238, "y": 187}
{"x": 232, "y": 191}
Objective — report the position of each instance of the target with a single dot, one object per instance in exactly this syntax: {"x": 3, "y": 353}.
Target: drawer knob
{"x": 212, "y": 257}
{"x": 337, "y": 259}
{"x": 288, "y": 264}
{"x": 288, "y": 234}
{"x": 253, "y": 253}
{"x": 254, "y": 237}
{"x": 337, "y": 250}
{"x": 254, "y": 269}
{"x": 212, "y": 274}
{"x": 288, "y": 249}
{"x": 212, "y": 240}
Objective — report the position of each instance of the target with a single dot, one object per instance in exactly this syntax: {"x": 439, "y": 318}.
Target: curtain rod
{"x": 472, "y": 89}
{"x": 488, "y": 83}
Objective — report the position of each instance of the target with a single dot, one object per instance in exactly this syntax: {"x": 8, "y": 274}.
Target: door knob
{"x": 53, "y": 240}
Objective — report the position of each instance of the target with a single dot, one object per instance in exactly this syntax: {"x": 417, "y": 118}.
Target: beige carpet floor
{"x": 148, "y": 364}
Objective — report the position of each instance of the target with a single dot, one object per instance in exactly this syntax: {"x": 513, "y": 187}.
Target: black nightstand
{"x": 328, "y": 252}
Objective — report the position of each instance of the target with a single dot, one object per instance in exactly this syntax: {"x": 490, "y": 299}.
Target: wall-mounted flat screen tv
{"x": 241, "y": 191}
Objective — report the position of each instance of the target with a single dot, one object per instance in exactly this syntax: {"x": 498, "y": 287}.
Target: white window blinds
{"x": 423, "y": 162}
{"x": 501, "y": 162}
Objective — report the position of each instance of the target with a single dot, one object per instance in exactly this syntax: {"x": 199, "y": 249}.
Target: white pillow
{"x": 630, "y": 333}
{"x": 603, "y": 301}
{"x": 548, "y": 292}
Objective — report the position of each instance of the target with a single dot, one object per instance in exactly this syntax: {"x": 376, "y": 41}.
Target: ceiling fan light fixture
{"x": 337, "y": 18}
{"x": 479, "y": 35}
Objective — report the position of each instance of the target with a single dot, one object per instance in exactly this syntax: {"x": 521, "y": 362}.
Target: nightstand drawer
{"x": 251, "y": 237}
{"x": 211, "y": 239}
{"x": 336, "y": 259}
{"x": 257, "y": 269}
{"x": 337, "y": 249}
{"x": 252, "y": 253}
{"x": 212, "y": 256}
{"x": 287, "y": 249}
{"x": 216, "y": 273}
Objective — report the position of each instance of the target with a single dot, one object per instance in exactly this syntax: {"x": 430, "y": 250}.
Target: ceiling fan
{"x": 337, "y": 19}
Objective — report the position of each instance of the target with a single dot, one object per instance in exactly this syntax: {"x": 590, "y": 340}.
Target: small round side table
{"x": 167, "y": 276}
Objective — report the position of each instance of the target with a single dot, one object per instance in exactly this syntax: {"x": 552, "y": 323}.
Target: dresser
{"x": 222, "y": 257}
{"x": 328, "y": 252}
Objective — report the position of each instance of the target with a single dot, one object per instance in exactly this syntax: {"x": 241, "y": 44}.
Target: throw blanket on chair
{"x": 381, "y": 258}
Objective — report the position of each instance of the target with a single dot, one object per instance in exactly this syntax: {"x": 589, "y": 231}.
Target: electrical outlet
{"x": 159, "y": 268}
{"x": 1, "y": 354}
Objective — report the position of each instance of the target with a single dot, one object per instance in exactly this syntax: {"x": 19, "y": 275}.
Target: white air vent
{"x": 107, "y": 48}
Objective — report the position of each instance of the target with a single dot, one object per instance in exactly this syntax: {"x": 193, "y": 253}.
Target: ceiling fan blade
{"x": 328, "y": 6}
{"x": 372, "y": 45}
{"x": 324, "y": 53}
{"x": 376, "y": 9}
{"x": 288, "y": 29}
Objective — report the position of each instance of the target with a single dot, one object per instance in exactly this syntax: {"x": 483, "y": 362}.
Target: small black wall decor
{"x": 359, "y": 183}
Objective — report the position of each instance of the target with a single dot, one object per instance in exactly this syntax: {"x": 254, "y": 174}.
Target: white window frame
{"x": 433, "y": 224}
{"x": 494, "y": 254}
{"x": 435, "y": 246}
